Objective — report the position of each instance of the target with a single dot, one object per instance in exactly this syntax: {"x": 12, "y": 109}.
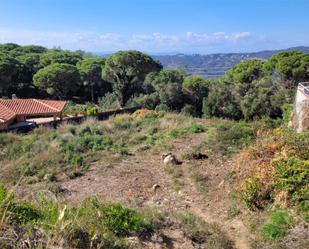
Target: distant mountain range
{"x": 214, "y": 65}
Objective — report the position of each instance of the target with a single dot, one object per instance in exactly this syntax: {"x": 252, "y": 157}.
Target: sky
{"x": 157, "y": 26}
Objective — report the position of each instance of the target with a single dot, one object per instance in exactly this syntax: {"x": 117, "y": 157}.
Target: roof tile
{"x": 9, "y": 108}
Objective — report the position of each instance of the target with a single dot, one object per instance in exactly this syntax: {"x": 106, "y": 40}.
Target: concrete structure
{"x": 300, "y": 119}
{"x": 19, "y": 110}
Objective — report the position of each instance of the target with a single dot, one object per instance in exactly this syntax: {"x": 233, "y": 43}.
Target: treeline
{"x": 252, "y": 89}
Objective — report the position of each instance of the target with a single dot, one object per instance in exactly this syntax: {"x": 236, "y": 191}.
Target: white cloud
{"x": 217, "y": 37}
{"x": 154, "y": 42}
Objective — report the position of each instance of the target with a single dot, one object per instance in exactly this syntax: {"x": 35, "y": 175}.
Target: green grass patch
{"x": 280, "y": 221}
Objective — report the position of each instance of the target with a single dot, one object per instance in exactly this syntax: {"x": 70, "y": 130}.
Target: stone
{"x": 300, "y": 118}
{"x": 155, "y": 187}
{"x": 169, "y": 159}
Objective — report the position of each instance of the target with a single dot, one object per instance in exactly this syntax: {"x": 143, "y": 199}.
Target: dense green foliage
{"x": 252, "y": 89}
{"x": 291, "y": 66}
{"x": 90, "y": 224}
{"x": 286, "y": 174}
{"x": 280, "y": 221}
{"x": 126, "y": 70}
{"x": 60, "y": 80}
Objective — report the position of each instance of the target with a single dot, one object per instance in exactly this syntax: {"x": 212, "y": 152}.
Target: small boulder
{"x": 155, "y": 187}
{"x": 170, "y": 159}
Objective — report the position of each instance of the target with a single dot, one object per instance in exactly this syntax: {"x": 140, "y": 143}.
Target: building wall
{"x": 6, "y": 124}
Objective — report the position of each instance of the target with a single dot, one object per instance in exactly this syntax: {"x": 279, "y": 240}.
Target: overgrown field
{"x": 262, "y": 165}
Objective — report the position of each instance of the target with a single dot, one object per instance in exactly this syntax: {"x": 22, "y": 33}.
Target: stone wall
{"x": 300, "y": 119}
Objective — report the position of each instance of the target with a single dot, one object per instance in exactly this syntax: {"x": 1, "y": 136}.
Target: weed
{"x": 176, "y": 174}
{"x": 121, "y": 221}
{"x": 199, "y": 180}
{"x": 250, "y": 191}
{"x": 197, "y": 128}
{"x": 233, "y": 211}
{"x": 201, "y": 232}
{"x": 228, "y": 138}
{"x": 280, "y": 221}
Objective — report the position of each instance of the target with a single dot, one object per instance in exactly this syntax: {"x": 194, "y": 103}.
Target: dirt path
{"x": 133, "y": 178}
{"x": 234, "y": 228}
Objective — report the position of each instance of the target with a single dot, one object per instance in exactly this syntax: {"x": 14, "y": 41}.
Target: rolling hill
{"x": 214, "y": 65}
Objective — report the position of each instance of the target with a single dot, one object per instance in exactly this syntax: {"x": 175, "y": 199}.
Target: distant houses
{"x": 15, "y": 111}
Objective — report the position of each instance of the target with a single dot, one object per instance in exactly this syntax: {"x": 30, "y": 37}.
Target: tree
{"x": 291, "y": 66}
{"x": 221, "y": 101}
{"x": 9, "y": 73}
{"x": 30, "y": 62}
{"x": 258, "y": 101}
{"x": 61, "y": 80}
{"x": 168, "y": 85}
{"x": 165, "y": 76}
{"x": 196, "y": 89}
{"x": 91, "y": 72}
{"x": 172, "y": 96}
{"x": 8, "y": 47}
{"x": 59, "y": 56}
{"x": 30, "y": 49}
{"x": 244, "y": 73}
{"x": 126, "y": 71}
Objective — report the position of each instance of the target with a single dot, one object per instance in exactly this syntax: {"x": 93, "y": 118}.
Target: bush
{"x": 92, "y": 110}
{"x": 189, "y": 110}
{"x": 25, "y": 212}
{"x": 280, "y": 222}
{"x": 74, "y": 109}
{"x": 149, "y": 101}
{"x": 197, "y": 128}
{"x": 221, "y": 102}
{"x": 121, "y": 221}
{"x": 228, "y": 138}
{"x": 171, "y": 95}
{"x": 109, "y": 101}
{"x": 292, "y": 176}
{"x": 287, "y": 112}
{"x": 123, "y": 122}
{"x": 250, "y": 193}
{"x": 162, "y": 108}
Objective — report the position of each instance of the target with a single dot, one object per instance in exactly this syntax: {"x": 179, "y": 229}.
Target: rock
{"x": 170, "y": 159}
{"x": 155, "y": 187}
{"x": 300, "y": 118}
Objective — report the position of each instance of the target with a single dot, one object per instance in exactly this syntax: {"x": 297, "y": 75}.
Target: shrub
{"x": 250, "y": 193}
{"x": 162, "y": 108}
{"x": 197, "y": 128}
{"x": 123, "y": 121}
{"x": 177, "y": 133}
{"x": 92, "y": 110}
{"x": 121, "y": 221}
{"x": 189, "y": 110}
{"x": 25, "y": 212}
{"x": 230, "y": 137}
{"x": 109, "y": 101}
{"x": 149, "y": 101}
{"x": 287, "y": 112}
{"x": 276, "y": 228}
{"x": 72, "y": 108}
{"x": 221, "y": 102}
{"x": 292, "y": 175}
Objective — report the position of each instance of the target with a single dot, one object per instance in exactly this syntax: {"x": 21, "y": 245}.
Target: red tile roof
{"x": 10, "y": 108}
{"x": 5, "y": 114}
